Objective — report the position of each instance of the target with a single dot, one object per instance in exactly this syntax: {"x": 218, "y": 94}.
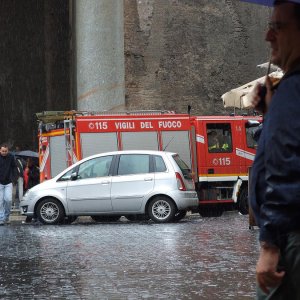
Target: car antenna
{"x": 168, "y": 143}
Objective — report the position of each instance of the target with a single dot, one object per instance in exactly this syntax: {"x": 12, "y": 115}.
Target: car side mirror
{"x": 74, "y": 176}
{"x": 252, "y": 123}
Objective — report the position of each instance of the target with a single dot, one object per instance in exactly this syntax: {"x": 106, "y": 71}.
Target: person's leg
{"x": 290, "y": 261}
{"x": 1, "y": 204}
{"x": 7, "y": 200}
{"x": 14, "y": 195}
{"x": 20, "y": 190}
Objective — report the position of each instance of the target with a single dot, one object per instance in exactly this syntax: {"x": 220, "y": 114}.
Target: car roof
{"x": 150, "y": 152}
{"x": 153, "y": 152}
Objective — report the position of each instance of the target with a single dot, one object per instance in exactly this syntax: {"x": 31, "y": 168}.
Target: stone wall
{"x": 177, "y": 52}
{"x": 181, "y": 52}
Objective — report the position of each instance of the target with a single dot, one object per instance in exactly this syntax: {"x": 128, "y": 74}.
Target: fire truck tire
{"x": 50, "y": 211}
{"x": 243, "y": 205}
{"x": 106, "y": 218}
{"x": 210, "y": 211}
{"x": 137, "y": 218}
{"x": 180, "y": 214}
{"x": 161, "y": 209}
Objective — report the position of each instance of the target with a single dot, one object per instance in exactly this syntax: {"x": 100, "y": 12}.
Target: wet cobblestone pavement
{"x": 197, "y": 258}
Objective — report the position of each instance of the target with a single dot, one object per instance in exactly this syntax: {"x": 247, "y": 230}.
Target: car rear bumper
{"x": 186, "y": 200}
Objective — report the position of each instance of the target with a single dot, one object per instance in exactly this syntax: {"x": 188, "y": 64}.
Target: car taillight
{"x": 180, "y": 183}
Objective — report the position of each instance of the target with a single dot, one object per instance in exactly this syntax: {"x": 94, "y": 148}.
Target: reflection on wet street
{"x": 197, "y": 258}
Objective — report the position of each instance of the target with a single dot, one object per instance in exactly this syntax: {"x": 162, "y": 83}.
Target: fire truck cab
{"x": 225, "y": 150}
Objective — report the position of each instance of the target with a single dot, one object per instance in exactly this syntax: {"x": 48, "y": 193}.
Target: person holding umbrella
{"x": 275, "y": 177}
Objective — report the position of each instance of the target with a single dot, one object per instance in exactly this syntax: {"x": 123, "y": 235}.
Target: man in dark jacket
{"x": 275, "y": 182}
{"x": 7, "y": 176}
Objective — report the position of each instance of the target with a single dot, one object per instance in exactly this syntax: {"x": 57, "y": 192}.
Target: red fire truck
{"x": 218, "y": 149}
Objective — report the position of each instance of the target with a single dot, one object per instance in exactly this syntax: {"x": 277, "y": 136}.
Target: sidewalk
{"x": 15, "y": 216}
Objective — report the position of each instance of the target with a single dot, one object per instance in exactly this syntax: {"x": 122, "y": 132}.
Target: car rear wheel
{"x": 106, "y": 218}
{"x": 50, "y": 211}
{"x": 161, "y": 209}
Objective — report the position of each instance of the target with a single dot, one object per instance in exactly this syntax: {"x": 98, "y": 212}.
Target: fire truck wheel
{"x": 180, "y": 214}
{"x": 137, "y": 218}
{"x": 106, "y": 218}
{"x": 50, "y": 211}
{"x": 161, "y": 209}
{"x": 210, "y": 211}
{"x": 243, "y": 205}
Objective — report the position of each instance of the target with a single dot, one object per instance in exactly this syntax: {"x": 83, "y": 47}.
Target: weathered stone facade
{"x": 181, "y": 52}
{"x": 177, "y": 52}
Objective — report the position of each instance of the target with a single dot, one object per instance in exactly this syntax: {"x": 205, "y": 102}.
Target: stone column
{"x": 99, "y": 54}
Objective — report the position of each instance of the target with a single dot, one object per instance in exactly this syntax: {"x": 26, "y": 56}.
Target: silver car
{"x": 136, "y": 184}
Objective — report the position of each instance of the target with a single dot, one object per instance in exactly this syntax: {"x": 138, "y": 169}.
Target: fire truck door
{"x": 178, "y": 142}
{"x": 57, "y": 154}
{"x": 94, "y": 143}
{"x": 248, "y": 144}
{"x": 90, "y": 192}
{"x": 146, "y": 140}
{"x": 132, "y": 183}
{"x": 221, "y": 163}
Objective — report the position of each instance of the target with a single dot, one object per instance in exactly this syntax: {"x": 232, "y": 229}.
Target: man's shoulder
{"x": 290, "y": 85}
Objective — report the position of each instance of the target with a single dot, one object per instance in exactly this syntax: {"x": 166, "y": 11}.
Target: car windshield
{"x": 186, "y": 171}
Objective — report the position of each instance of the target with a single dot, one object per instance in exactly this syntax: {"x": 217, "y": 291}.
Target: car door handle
{"x": 105, "y": 182}
{"x": 148, "y": 179}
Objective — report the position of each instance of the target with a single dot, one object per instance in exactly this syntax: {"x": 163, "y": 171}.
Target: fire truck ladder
{"x": 69, "y": 142}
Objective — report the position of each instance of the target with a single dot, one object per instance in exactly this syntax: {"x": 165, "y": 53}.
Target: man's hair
{"x": 296, "y": 7}
{"x": 4, "y": 145}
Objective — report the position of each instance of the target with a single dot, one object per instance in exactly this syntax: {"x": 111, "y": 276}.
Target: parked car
{"x": 136, "y": 184}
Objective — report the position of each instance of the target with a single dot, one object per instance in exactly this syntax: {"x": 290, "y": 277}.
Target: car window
{"x": 96, "y": 167}
{"x": 186, "y": 171}
{"x": 159, "y": 164}
{"x": 133, "y": 164}
{"x": 67, "y": 176}
{"x": 250, "y": 133}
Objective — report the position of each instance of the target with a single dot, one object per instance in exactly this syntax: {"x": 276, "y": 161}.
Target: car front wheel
{"x": 161, "y": 209}
{"x": 50, "y": 211}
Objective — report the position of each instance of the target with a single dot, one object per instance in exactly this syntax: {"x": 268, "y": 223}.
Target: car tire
{"x": 180, "y": 214}
{"x": 106, "y": 218}
{"x": 50, "y": 211}
{"x": 161, "y": 209}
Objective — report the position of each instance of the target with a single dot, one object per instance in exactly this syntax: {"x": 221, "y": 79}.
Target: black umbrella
{"x": 27, "y": 153}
